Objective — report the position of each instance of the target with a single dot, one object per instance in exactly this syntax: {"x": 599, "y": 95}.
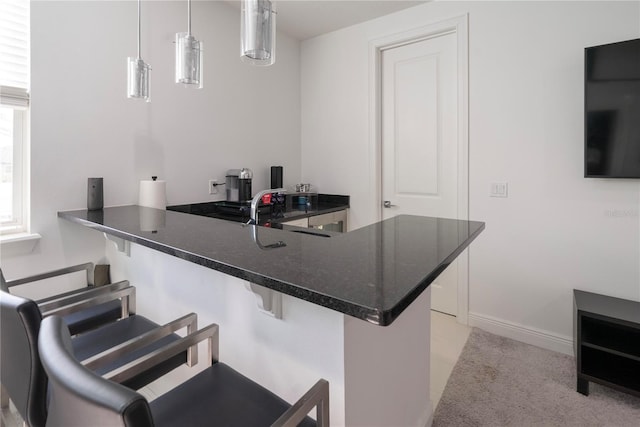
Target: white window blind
{"x": 14, "y": 46}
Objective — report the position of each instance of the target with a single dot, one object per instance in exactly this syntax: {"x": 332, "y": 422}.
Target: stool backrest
{"x": 22, "y": 374}
{"x": 3, "y": 282}
{"x": 78, "y": 396}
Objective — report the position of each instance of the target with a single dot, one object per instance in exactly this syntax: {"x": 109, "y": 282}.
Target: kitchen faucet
{"x": 256, "y": 240}
{"x": 256, "y": 201}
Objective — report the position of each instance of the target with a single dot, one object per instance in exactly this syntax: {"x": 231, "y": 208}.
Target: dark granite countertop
{"x": 372, "y": 273}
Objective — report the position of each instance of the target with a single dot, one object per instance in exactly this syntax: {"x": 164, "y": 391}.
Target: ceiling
{"x": 303, "y": 19}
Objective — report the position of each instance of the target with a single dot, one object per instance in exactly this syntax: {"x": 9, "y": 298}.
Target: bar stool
{"x": 95, "y": 314}
{"x": 104, "y": 349}
{"x": 217, "y": 396}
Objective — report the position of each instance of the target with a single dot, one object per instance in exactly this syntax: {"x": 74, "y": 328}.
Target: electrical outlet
{"x": 213, "y": 186}
{"x": 499, "y": 189}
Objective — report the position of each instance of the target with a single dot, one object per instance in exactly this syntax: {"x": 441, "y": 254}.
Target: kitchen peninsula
{"x": 379, "y": 273}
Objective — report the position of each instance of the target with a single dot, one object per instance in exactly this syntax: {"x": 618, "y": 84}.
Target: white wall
{"x": 557, "y": 230}
{"x": 83, "y": 125}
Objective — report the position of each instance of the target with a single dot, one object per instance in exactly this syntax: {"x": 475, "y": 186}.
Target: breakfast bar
{"x": 372, "y": 273}
{"x": 356, "y": 304}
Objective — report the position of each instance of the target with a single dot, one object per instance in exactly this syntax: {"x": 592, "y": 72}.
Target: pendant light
{"x": 188, "y": 56}
{"x": 138, "y": 73}
{"x": 258, "y": 32}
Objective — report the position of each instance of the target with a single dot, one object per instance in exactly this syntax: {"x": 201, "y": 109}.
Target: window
{"x": 13, "y": 130}
{"x": 14, "y": 115}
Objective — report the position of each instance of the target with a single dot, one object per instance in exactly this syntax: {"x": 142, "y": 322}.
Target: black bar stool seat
{"x": 231, "y": 400}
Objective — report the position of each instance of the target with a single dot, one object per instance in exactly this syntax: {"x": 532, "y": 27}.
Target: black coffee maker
{"x": 238, "y": 185}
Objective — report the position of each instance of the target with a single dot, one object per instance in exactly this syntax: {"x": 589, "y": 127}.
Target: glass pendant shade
{"x": 188, "y": 60}
{"x": 138, "y": 73}
{"x": 258, "y": 32}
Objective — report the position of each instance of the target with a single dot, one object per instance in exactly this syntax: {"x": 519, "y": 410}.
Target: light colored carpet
{"x": 501, "y": 382}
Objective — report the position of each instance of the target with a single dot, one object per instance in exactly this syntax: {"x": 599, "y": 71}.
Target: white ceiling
{"x": 303, "y": 19}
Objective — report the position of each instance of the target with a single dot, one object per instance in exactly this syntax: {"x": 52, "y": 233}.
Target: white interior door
{"x": 420, "y": 142}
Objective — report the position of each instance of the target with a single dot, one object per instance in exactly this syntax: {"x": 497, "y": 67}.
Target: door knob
{"x": 387, "y": 204}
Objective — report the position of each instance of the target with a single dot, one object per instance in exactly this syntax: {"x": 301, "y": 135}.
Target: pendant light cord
{"x": 139, "y": 29}
{"x": 189, "y": 17}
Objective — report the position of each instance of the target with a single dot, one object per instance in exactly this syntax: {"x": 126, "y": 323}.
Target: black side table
{"x": 606, "y": 333}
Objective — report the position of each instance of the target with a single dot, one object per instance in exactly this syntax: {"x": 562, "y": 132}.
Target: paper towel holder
{"x": 153, "y": 193}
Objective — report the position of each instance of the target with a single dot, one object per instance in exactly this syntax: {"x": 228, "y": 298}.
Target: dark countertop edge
{"x": 334, "y": 304}
{"x": 374, "y": 316}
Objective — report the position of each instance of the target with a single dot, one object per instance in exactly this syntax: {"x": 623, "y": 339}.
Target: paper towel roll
{"x": 153, "y": 194}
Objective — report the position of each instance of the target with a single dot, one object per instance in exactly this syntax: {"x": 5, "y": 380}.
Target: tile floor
{"x": 447, "y": 340}
{"x": 10, "y": 417}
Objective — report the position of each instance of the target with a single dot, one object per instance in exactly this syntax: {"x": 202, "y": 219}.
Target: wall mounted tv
{"x": 612, "y": 110}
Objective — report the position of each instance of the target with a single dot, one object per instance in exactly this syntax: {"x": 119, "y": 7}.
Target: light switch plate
{"x": 499, "y": 189}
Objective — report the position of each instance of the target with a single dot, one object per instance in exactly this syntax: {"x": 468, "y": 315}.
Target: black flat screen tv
{"x": 612, "y": 110}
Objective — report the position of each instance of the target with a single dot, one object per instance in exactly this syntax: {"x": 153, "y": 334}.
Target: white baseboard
{"x": 539, "y": 338}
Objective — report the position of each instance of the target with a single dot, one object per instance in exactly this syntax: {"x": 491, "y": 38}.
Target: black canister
{"x": 276, "y": 176}
{"x": 244, "y": 184}
{"x": 244, "y": 190}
